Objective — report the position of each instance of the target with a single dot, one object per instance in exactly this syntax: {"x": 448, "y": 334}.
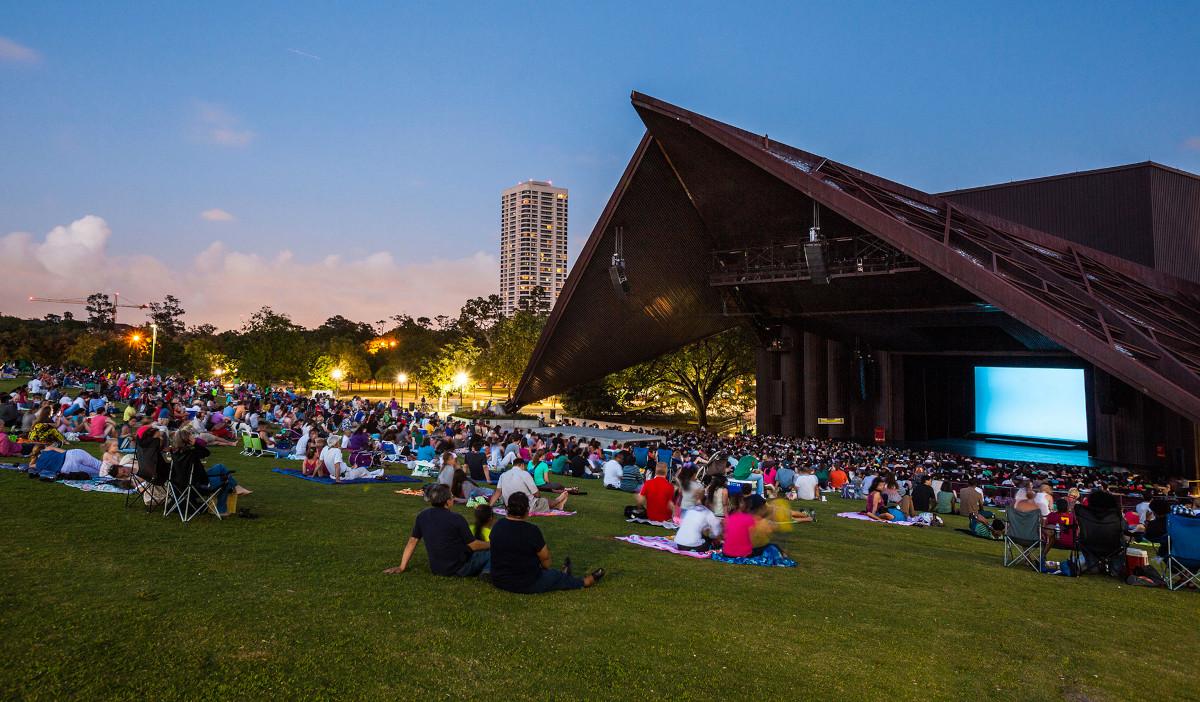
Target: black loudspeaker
{"x": 815, "y": 256}
{"x": 619, "y": 281}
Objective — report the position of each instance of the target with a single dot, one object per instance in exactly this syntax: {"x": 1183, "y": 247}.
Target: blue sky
{"x": 381, "y": 128}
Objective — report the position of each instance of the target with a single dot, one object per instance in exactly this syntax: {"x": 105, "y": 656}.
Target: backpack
{"x": 1145, "y": 576}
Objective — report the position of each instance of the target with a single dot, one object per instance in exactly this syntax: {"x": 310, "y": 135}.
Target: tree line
{"x": 712, "y": 377}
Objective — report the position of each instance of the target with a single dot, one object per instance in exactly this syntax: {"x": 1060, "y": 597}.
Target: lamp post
{"x": 337, "y": 380}
{"x": 461, "y": 379}
{"x": 153, "y": 344}
{"x": 402, "y": 379}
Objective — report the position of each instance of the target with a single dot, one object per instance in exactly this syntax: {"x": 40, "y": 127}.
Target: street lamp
{"x": 402, "y": 379}
{"x": 461, "y": 379}
{"x": 153, "y": 344}
{"x": 337, "y": 379}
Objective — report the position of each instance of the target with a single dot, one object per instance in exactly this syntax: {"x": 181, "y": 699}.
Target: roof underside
{"x": 713, "y": 221}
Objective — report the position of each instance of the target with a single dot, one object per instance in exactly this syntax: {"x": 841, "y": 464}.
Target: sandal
{"x": 245, "y": 513}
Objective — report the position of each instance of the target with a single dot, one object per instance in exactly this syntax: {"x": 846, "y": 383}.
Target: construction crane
{"x": 77, "y": 301}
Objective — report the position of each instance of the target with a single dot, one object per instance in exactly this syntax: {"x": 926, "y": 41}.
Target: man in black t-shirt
{"x": 476, "y": 462}
{"x": 922, "y": 495}
{"x": 449, "y": 544}
{"x": 577, "y": 464}
{"x": 521, "y": 559}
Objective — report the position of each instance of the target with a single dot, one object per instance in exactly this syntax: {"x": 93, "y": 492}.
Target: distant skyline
{"x": 346, "y": 161}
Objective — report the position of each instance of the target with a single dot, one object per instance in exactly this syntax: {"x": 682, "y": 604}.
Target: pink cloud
{"x": 12, "y": 52}
{"x": 220, "y": 286}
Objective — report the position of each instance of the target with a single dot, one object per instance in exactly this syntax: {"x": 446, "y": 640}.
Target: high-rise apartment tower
{"x": 533, "y": 242}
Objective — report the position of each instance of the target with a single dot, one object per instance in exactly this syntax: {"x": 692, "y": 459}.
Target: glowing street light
{"x": 402, "y": 379}
{"x": 461, "y": 379}
{"x": 137, "y": 338}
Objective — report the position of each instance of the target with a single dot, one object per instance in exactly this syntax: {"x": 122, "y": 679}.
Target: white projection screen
{"x": 1041, "y": 403}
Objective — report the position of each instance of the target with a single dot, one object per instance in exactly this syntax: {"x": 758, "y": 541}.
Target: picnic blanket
{"x": 552, "y": 513}
{"x": 665, "y": 525}
{"x": 661, "y": 543}
{"x": 292, "y": 472}
{"x": 770, "y": 557}
{"x": 865, "y": 518}
{"x": 407, "y": 491}
{"x": 101, "y": 485}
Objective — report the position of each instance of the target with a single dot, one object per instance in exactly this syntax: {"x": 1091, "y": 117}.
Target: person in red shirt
{"x": 657, "y": 496}
{"x": 837, "y": 478}
{"x": 1064, "y": 519}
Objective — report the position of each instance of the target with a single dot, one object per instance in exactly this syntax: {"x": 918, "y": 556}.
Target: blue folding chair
{"x": 1183, "y": 551}
{"x": 640, "y": 454}
{"x": 664, "y": 456}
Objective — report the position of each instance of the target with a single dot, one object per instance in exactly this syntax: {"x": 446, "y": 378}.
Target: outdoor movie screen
{"x": 1042, "y": 403}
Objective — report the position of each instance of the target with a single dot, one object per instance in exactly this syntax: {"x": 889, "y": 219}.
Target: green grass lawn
{"x": 98, "y": 601}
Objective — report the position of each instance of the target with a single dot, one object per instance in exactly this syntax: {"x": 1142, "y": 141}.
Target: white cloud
{"x": 12, "y": 52}
{"x": 217, "y": 215}
{"x": 220, "y": 285}
{"x": 1192, "y": 144}
{"x": 214, "y": 124}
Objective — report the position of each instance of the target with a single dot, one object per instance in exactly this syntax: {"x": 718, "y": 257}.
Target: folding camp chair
{"x": 1101, "y": 538}
{"x": 149, "y": 489}
{"x": 388, "y": 452}
{"x": 247, "y": 445}
{"x": 186, "y": 496}
{"x": 1183, "y": 551}
{"x": 1023, "y": 538}
{"x": 640, "y": 455}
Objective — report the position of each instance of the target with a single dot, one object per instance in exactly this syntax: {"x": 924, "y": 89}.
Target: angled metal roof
{"x": 696, "y": 186}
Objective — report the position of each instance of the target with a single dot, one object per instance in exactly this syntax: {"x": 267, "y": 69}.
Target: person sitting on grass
{"x": 656, "y": 499}
{"x": 877, "y": 506}
{"x": 691, "y": 491}
{"x": 101, "y": 426}
{"x": 806, "y": 484}
{"x": 700, "y": 529}
{"x": 463, "y": 489}
{"x": 631, "y": 475}
{"x": 313, "y": 466}
{"x": 111, "y": 464}
{"x": 517, "y": 480}
{"x": 8, "y": 447}
{"x": 613, "y": 469}
{"x": 541, "y": 469}
{"x": 484, "y": 519}
{"x": 741, "y": 528}
{"x": 521, "y": 559}
{"x": 946, "y": 501}
{"x": 747, "y": 469}
{"x": 450, "y": 546}
{"x": 923, "y": 499}
{"x": 331, "y": 456}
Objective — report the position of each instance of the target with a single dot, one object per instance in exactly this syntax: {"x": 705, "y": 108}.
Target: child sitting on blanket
{"x": 313, "y": 466}
{"x": 699, "y": 529}
{"x": 484, "y": 519}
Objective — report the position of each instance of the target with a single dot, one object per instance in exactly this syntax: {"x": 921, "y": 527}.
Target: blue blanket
{"x": 292, "y": 472}
{"x": 770, "y": 557}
